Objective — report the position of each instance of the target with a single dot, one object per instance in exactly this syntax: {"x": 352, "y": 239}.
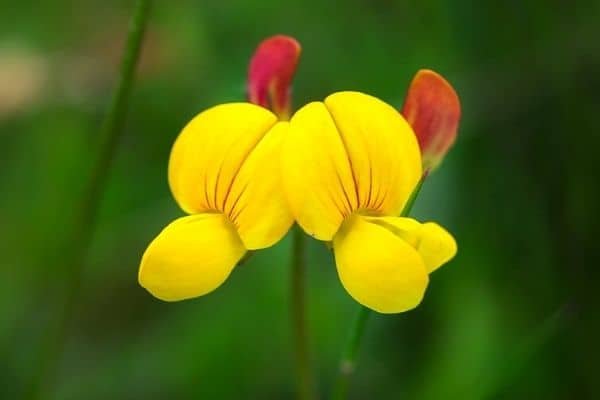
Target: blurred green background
{"x": 513, "y": 316}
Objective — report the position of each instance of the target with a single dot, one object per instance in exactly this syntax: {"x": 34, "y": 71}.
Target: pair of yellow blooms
{"x": 343, "y": 169}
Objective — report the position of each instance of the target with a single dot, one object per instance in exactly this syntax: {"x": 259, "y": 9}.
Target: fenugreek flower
{"x": 350, "y": 164}
{"x": 221, "y": 172}
{"x": 432, "y": 109}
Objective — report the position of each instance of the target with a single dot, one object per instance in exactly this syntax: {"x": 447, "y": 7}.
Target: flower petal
{"x": 210, "y": 151}
{"x": 377, "y": 268}
{"x": 270, "y": 73}
{"x": 382, "y": 148}
{"x": 191, "y": 257}
{"x": 257, "y": 204}
{"x": 317, "y": 176}
{"x": 435, "y": 245}
{"x": 432, "y": 108}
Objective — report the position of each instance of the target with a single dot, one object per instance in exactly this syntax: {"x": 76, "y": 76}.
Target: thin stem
{"x": 300, "y": 329}
{"x": 413, "y": 196}
{"x": 347, "y": 364}
{"x": 79, "y": 240}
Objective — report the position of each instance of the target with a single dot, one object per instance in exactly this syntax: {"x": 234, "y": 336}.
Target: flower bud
{"x": 270, "y": 74}
{"x": 432, "y": 109}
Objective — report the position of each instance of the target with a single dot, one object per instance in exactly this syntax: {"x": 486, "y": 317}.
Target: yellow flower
{"x": 350, "y": 164}
{"x": 223, "y": 171}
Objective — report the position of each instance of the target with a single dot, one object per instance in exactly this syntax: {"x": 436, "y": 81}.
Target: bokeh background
{"x": 513, "y": 316}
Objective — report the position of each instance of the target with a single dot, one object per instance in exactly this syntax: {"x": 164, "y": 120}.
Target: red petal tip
{"x": 432, "y": 108}
{"x": 270, "y": 73}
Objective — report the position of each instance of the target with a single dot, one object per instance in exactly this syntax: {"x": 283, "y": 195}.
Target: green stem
{"x": 413, "y": 196}
{"x": 79, "y": 239}
{"x": 300, "y": 331}
{"x": 347, "y": 364}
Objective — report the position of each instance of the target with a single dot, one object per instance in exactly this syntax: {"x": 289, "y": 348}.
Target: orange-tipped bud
{"x": 270, "y": 74}
{"x": 432, "y": 109}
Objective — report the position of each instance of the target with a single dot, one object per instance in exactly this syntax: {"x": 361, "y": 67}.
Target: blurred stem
{"x": 347, "y": 364}
{"x": 85, "y": 218}
{"x": 300, "y": 329}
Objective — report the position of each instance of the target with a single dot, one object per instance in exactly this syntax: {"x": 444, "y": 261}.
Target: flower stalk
{"x": 80, "y": 237}
{"x": 348, "y": 361}
{"x": 300, "y": 329}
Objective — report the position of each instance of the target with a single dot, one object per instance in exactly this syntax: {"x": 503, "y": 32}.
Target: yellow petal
{"x": 256, "y": 203}
{"x": 377, "y": 268}
{"x": 382, "y": 148}
{"x": 190, "y": 257}
{"x": 317, "y": 177}
{"x": 435, "y": 245}
{"x": 210, "y": 151}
